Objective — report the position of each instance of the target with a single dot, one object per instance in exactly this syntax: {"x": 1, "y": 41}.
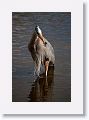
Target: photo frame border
{"x": 76, "y": 104}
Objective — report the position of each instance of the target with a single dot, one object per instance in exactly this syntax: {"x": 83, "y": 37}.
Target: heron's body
{"x": 42, "y": 54}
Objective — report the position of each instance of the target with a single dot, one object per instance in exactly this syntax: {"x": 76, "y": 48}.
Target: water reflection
{"x": 42, "y": 88}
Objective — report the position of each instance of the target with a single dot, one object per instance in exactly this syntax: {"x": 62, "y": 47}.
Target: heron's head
{"x": 38, "y": 30}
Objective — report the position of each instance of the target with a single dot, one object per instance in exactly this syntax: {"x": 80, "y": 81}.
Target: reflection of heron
{"x": 41, "y": 51}
{"x": 42, "y": 88}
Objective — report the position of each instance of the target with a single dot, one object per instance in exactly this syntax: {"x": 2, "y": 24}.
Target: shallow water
{"x": 56, "y": 28}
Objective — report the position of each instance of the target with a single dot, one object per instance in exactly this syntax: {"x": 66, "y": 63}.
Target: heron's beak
{"x": 46, "y": 67}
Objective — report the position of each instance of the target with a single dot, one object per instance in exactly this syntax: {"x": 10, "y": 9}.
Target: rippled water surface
{"x": 56, "y": 28}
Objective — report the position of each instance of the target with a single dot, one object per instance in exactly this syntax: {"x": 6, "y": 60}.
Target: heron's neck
{"x": 39, "y": 31}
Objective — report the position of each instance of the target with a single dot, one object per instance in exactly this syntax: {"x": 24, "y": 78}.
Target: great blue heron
{"x": 41, "y": 51}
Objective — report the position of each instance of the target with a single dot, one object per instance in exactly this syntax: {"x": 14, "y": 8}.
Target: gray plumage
{"x": 40, "y": 52}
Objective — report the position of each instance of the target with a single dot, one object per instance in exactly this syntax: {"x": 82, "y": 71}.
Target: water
{"x": 56, "y": 28}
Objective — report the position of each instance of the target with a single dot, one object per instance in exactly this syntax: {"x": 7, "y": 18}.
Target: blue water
{"x": 56, "y": 27}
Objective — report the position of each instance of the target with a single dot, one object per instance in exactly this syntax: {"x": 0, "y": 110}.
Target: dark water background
{"x": 56, "y": 28}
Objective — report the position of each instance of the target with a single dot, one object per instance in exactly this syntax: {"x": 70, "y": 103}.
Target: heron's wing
{"x": 49, "y": 52}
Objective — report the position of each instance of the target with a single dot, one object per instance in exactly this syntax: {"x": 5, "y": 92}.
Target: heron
{"x": 41, "y": 51}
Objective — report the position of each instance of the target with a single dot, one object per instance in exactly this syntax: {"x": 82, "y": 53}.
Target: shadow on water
{"x": 42, "y": 88}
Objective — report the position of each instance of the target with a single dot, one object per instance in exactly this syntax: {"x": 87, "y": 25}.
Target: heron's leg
{"x": 46, "y": 67}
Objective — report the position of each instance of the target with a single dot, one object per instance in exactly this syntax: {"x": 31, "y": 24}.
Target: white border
{"x": 76, "y": 9}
